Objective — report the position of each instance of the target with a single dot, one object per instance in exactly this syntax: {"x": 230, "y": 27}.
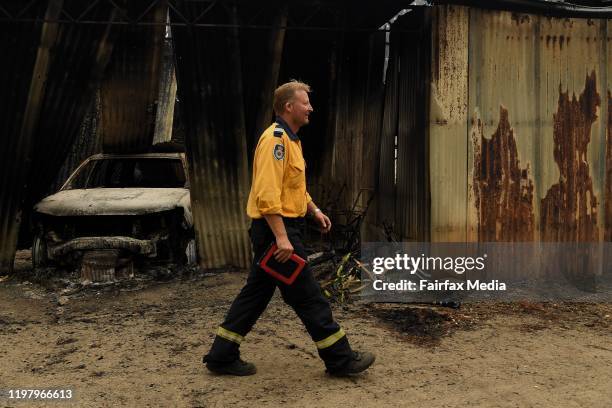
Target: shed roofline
{"x": 581, "y": 9}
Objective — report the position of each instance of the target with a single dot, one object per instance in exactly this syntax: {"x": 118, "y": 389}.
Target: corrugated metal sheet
{"x": 535, "y": 139}
{"x": 386, "y": 171}
{"x": 412, "y": 193}
{"x": 536, "y": 83}
{"x": 130, "y": 89}
{"x": 19, "y": 50}
{"x": 402, "y": 200}
{"x": 212, "y": 104}
{"x": 502, "y": 100}
{"x": 372, "y": 129}
{"x": 448, "y": 116}
{"x": 348, "y": 137}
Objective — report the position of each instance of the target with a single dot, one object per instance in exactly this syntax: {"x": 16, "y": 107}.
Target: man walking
{"x": 277, "y": 202}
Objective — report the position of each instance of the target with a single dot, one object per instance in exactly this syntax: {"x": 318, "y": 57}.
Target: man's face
{"x": 299, "y": 108}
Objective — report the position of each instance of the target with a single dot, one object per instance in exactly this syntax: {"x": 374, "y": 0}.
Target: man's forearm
{"x": 311, "y": 208}
{"x": 276, "y": 224}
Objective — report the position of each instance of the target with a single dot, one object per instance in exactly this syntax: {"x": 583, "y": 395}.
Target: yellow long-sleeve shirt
{"x": 279, "y": 175}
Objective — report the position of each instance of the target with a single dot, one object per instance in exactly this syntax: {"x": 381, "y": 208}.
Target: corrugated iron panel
{"x": 448, "y": 123}
{"x": 386, "y": 171}
{"x": 130, "y": 89}
{"x": 412, "y": 180}
{"x": 350, "y": 101}
{"x": 503, "y": 99}
{"x": 19, "y": 49}
{"x": 372, "y": 128}
{"x": 212, "y": 105}
{"x": 537, "y": 136}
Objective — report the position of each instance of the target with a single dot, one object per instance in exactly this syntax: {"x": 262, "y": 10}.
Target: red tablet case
{"x": 285, "y": 272}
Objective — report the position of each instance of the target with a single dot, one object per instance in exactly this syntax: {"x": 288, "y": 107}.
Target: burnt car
{"x": 118, "y": 210}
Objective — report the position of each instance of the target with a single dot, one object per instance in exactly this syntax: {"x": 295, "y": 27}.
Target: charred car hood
{"x": 115, "y": 201}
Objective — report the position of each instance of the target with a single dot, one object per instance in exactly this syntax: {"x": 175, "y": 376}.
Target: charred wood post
{"x": 10, "y": 211}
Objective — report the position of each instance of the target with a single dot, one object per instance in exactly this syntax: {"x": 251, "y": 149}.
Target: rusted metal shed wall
{"x": 448, "y": 115}
{"x": 522, "y": 153}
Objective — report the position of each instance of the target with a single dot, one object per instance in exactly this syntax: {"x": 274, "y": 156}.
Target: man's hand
{"x": 323, "y": 222}
{"x": 285, "y": 249}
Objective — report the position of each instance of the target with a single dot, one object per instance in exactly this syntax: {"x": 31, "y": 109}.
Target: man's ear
{"x": 288, "y": 106}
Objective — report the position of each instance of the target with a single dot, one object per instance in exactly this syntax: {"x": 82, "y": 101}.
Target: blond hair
{"x": 286, "y": 92}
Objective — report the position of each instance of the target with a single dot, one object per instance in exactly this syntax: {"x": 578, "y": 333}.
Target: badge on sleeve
{"x": 279, "y": 151}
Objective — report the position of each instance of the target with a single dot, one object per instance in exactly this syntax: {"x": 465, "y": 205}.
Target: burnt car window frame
{"x": 68, "y": 185}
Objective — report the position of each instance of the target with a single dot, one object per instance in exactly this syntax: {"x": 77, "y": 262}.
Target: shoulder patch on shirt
{"x": 279, "y": 151}
{"x": 278, "y": 131}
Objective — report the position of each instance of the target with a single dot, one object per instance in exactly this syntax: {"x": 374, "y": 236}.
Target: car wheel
{"x": 40, "y": 258}
{"x": 191, "y": 253}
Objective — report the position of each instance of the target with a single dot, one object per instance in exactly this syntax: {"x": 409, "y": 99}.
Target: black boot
{"x": 236, "y": 367}
{"x": 360, "y": 362}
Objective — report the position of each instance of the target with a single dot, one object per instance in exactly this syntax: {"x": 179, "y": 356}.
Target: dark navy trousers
{"x": 304, "y": 296}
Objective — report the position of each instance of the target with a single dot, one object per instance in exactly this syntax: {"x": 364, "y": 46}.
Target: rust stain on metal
{"x": 569, "y": 210}
{"x": 503, "y": 190}
{"x": 608, "y": 234}
{"x": 520, "y": 18}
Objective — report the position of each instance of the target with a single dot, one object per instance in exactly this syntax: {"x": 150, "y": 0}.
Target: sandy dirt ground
{"x": 141, "y": 344}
